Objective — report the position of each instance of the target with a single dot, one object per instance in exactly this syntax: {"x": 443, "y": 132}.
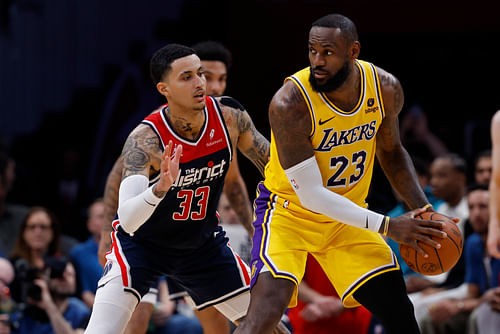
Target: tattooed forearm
{"x": 398, "y": 168}
{"x": 259, "y": 154}
{"x": 237, "y": 196}
{"x": 110, "y": 199}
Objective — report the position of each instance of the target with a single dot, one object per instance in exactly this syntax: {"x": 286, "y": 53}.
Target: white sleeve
{"x": 136, "y": 202}
{"x": 306, "y": 180}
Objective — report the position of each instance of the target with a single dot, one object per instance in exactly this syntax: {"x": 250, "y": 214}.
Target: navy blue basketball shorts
{"x": 211, "y": 274}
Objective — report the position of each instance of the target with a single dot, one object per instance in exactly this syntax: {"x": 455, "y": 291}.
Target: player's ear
{"x": 162, "y": 88}
{"x": 355, "y": 49}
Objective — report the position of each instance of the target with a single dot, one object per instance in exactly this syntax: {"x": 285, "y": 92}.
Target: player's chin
{"x": 198, "y": 105}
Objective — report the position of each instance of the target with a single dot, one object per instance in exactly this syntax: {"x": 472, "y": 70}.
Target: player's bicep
{"x": 291, "y": 125}
{"x": 141, "y": 152}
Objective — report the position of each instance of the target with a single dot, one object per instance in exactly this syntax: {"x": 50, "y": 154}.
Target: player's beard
{"x": 334, "y": 82}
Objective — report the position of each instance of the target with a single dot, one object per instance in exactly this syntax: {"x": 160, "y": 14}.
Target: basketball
{"x": 440, "y": 260}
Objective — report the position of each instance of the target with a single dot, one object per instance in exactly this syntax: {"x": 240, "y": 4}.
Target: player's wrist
{"x": 384, "y": 226}
{"x": 428, "y": 207}
{"x": 159, "y": 194}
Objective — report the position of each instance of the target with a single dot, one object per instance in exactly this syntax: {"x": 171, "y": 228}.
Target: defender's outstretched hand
{"x": 169, "y": 168}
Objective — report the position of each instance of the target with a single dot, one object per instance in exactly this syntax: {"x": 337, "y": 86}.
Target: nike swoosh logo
{"x": 366, "y": 222}
{"x": 321, "y": 122}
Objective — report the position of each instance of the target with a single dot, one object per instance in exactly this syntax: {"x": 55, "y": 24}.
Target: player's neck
{"x": 187, "y": 123}
{"x": 346, "y": 96}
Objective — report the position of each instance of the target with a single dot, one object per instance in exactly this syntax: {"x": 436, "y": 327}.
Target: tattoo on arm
{"x": 138, "y": 153}
{"x": 259, "y": 154}
{"x": 237, "y": 196}
{"x": 250, "y": 141}
{"x": 291, "y": 124}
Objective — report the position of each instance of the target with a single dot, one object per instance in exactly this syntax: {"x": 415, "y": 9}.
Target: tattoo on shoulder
{"x": 295, "y": 97}
{"x": 137, "y": 152}
{"x": 390, "y": 81}
{"x": 237, "y": 114}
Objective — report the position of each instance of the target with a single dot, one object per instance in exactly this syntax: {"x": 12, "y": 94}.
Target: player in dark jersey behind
{"x": 216, "y": 60}
{"x": 166, "y": 223}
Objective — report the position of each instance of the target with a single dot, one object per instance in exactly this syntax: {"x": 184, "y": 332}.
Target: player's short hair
{"x": 213, "y": 50}
{"x": 346, "y": 26}
{"x": 162, "y": 59}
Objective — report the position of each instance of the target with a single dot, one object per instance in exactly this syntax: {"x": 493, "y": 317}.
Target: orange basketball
{"x": 440, "y": 260}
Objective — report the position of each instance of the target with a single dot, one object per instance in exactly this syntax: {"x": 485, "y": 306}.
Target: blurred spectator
{"x": 84, "y": 255}
{"x": 451, "y": 315}
{"x": 482, "y": 167}
{"x": 6, "y": 302}
{"x": 53, "y": 309}
{"x": 320, "y": 310}
{"x": 239, "y": 240}
{"x": 449, "y": 183}
{"x": 494, "y": 228}
{"x": 11, "y": 215}
{"x": 37, "y": 239}
{"x": 485, "y": 319}
{"x": 416, "y": 136}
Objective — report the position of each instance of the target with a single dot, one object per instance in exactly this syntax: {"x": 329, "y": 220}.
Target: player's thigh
{"x": 355, "y": 256}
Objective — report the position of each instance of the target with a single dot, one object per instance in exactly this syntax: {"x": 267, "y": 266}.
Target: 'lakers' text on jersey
{"x": 343, "y": 141}
{"x": 186, "y": 217}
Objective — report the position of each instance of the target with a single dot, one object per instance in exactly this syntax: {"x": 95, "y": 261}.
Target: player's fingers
{"x": 429, "y": 241}
{"x": 167, "y": 151}
{"x": 417, "y": 212}
{"x": 437, "y": 224}
{"x": 419, "y": 250}
{"x": 178, "y": 153}
{"x": 435, "y": 231}
{"x": 453, "y": 219}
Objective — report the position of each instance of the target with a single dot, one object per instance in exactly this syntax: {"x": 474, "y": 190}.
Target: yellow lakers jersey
{"x": 343, "y": 140}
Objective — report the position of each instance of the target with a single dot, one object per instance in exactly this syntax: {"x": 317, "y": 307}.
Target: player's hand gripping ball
{"x": 440, "y": 260}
